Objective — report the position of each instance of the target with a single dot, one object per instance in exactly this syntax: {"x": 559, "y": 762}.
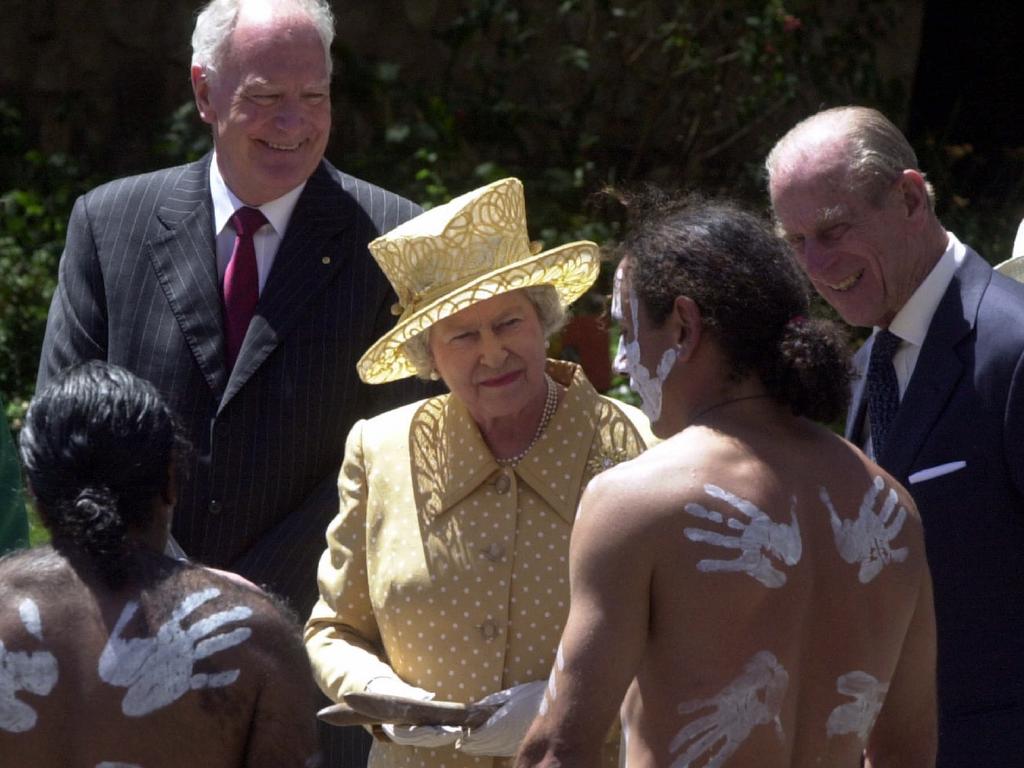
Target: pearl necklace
{"x": 550, "y": 405}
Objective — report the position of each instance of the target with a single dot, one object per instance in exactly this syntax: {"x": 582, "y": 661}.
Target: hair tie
{"x": 796, "y": 321}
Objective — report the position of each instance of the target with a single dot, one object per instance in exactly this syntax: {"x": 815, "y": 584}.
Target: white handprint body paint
{"x": 29, "y": 612}
{"x": 868, "y": 539}
{"x": 34, "y": 673}
{"x": 552, "y": 689}
{"x": 857, "y": 716}
{"x": 753, "y": 699}
{"x": 758, "y": 540}
{"x": 157, "y": 671}
{"x": 627, "y": 356}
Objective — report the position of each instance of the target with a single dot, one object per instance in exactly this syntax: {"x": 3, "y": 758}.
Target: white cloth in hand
{"x": 501, "y": 735}
{"x": 427, "y": 736}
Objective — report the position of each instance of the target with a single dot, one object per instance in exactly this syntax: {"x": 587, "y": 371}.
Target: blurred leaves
{"x": 37, "y": 194}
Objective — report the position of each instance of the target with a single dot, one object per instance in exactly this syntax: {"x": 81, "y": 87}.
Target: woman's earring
{"x": 434, "y": 375}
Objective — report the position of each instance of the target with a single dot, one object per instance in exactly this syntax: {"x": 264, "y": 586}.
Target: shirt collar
{"x": 912, "y": 321}
{"x": 225, "y": 203}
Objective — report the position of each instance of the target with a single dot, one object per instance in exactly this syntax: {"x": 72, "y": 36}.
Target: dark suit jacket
{"x": 139, "y": 287}
{"x": 965, "y": 402}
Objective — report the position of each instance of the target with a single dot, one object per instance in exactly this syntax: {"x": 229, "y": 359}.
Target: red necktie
{"x": 241, "y": 281}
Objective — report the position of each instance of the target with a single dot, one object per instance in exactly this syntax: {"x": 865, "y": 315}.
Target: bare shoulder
{"x": 206, "y": 594}
{"x": 30, "y": 579}
{"x": 639, "y": 494}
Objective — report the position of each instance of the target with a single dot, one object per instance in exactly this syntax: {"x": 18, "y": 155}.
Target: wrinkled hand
{"x": 756, "y": 539}
{"x": 867, "y": 540}
{"x": 395, "y": 686}
{"x": 501, "y": 735}
{"x": 424, "y": 736}
{"x": 158, "y": 670}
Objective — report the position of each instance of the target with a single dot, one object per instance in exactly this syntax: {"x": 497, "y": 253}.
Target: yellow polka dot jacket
{"x": 447, "y": 570}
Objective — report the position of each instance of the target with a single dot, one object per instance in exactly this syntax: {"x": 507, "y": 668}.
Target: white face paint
{"x": 627, "y": 358}
{"x": 857, "y": 716}
{"x": 756, "y": 540}
{"x": 22, "y": 671}
{"x": 753, "y": 699}
{"x": 867, "y": 540}
{"x": 157, "y": 671}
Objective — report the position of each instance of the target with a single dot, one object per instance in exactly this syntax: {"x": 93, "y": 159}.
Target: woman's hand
{"x": 395, "y": 686}
{"x": 504, "y": 730}
{"x": 425, "y": 736}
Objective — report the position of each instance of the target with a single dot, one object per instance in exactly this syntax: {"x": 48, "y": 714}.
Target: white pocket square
{"x": 937, "y": 471}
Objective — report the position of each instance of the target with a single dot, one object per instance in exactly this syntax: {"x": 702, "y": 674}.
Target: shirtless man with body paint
{"x": 112, "y": 654}
{"x": 754, "y": 585}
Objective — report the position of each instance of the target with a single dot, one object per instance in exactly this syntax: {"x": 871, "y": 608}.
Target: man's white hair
{"x": 218, "y": 18}
{"x": 877, "y": 150}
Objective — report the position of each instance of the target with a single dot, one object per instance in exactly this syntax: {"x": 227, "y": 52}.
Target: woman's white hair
{"x": 545, "y": 301}
{"x": 218, "y": 18}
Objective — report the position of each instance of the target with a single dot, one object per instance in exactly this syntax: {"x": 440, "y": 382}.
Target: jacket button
{"x": 502, "y": 484}
{"x": 493, "y": 552}
{"x": 488, "y": 630}
{"x": 215, "y": 507}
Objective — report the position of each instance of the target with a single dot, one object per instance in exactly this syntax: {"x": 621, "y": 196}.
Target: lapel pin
{"x": 325, "y": 260}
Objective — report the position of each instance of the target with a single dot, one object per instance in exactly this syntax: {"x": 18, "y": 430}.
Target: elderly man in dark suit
{"x": 940, "y": 404}
{"x": 249, "y": 324}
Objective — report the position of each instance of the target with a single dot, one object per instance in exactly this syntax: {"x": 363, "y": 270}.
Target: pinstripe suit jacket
{"x": 138, "y": 287}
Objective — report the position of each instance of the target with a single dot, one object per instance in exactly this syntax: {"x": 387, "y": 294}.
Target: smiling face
{"x": 491, "y": 356}
{"x": 858, "y": 255}
{"x": 269, "y": 105}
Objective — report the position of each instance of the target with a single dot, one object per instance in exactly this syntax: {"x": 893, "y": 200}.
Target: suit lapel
{"x": 939, "y": 367}
{"x": 304, "y": 266}
{"x": 183, "y": 254}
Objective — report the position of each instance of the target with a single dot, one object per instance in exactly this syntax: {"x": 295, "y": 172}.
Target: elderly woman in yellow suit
{"x": 445, "y": 574}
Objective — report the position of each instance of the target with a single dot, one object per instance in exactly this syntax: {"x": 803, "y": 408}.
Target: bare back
{"x": 785, "y": 579}
{"x": 764, "y": 588}
{"x": 194, "y": 670}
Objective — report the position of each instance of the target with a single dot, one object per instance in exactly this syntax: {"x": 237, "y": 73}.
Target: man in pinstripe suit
{"x": 140, "y": 286}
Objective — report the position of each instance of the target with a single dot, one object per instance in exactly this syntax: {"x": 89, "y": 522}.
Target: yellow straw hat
{"x": 461, "y": 253}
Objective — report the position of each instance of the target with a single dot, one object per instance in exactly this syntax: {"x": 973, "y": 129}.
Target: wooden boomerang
{"x": 373, "y": 708}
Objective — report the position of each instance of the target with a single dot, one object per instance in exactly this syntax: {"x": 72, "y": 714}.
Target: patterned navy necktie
{"x": 883, "y": 388}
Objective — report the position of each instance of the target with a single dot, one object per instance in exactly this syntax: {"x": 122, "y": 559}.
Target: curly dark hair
{"x": 752, "y": 296}
{"x": 97, "y": 446}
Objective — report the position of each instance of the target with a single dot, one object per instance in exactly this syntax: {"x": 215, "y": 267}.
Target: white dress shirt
{"x": 267, "y": 238}
{"x": 912, "y": 321}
